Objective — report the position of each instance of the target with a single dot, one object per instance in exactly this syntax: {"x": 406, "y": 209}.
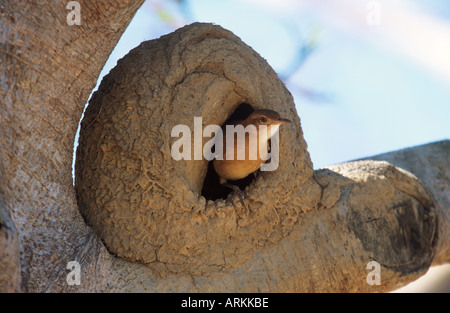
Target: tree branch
{"x": 431, "y": 164}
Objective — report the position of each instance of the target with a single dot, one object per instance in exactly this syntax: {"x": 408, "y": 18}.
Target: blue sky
{"x": 379, "y": 100}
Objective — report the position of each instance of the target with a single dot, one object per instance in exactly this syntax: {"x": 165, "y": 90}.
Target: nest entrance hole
{"x": 212, "y": 189}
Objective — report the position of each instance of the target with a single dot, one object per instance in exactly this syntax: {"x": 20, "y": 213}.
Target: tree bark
{"x": 431, "y": 164}
{"x": 48, "y": 70}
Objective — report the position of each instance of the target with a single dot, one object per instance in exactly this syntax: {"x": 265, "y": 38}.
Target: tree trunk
{"x": 48, "y": 70}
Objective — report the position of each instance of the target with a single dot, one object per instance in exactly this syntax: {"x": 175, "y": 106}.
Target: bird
{"x": 245, "y": 160}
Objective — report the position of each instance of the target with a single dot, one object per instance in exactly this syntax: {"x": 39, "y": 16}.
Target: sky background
{"x": 364, "y": 90}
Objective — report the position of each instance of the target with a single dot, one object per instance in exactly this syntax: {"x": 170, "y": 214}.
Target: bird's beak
{"x": 282, "y": 121}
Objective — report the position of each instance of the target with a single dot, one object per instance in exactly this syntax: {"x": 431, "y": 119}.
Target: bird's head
{"x": 266, "y": 117}
{"x": 269, "y": 118}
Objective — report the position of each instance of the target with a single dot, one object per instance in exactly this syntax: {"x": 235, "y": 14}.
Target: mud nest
{"x": 149, "y": 208}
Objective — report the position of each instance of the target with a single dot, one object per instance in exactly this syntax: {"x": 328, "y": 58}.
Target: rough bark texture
{"x": 47, "y": 71}
{"x": 309, "y": 232}
{"x": 9, "y": 253}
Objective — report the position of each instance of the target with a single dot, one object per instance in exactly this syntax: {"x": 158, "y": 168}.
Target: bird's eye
{"x": 263, "y": 119}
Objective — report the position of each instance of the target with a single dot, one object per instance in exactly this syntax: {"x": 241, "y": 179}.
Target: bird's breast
{"x": 241, "y": 157}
